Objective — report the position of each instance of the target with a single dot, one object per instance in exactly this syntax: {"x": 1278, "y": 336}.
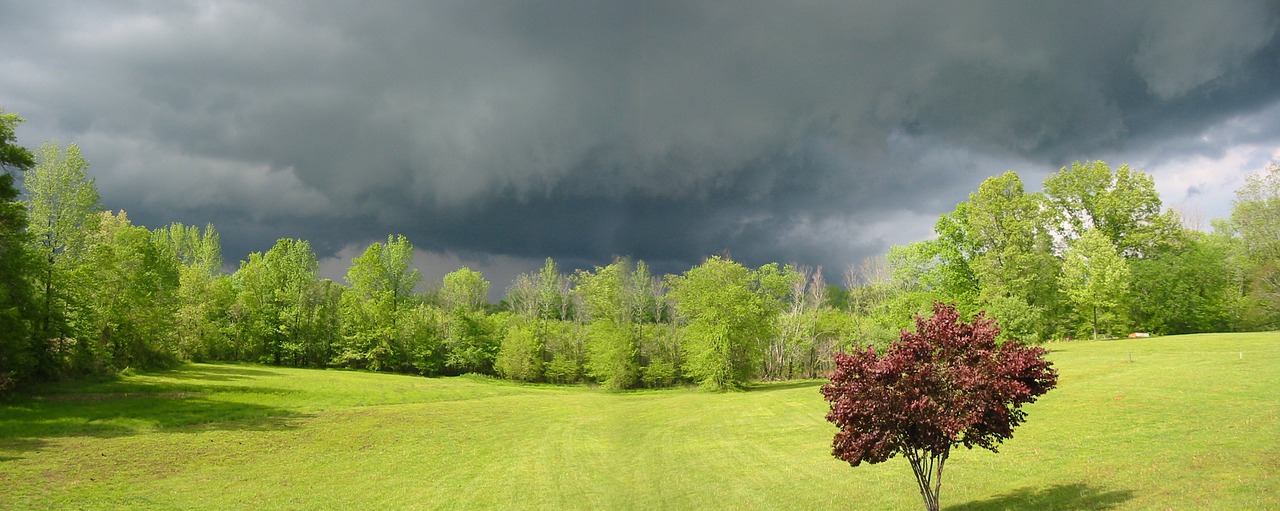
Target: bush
{"x": 659, "y": 373}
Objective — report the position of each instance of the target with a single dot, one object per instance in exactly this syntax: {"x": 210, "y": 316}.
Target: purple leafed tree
{"x": 947, "y": 384}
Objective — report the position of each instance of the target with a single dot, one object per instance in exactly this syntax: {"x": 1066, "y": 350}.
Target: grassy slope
{"x": 1188, "y": 423}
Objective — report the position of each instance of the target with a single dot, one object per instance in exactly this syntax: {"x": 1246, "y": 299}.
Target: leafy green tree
{"x": 955, "y": 251}
{"x": 277, "y": 307}
{"x": 797, "y": 324}
{"x": 63, "y": 211}
{"x": 464, "y": 288}
{"x": 1123, "y": 205}
{"x": 622, "y": 305}
{"x": 613, "y": 345}
{"x": 730, "y": 312}
{"x": 1094, "y": 276}
{"x": 520, "y": 357}
{"x": 472, "y": 341}
{"x": 382, "y": 281}
{"x": 204, "y": 293}
{"x": 1013, "y": 263}
{"x": 543, "y": 307}
{"x": 426, "y": 327}
{"x": 1255, "y": 215}
{"x": 133, "y": 301}
{"x": 17, "y": 298}
{"x": 1194, "y": 287}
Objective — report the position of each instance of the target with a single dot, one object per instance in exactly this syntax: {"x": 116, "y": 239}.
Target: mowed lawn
{"x": 1184, "y": 422}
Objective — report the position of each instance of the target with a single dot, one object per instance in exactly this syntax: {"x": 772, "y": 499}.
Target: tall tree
{"x": 382, "y": 281}
{"x": 1194, "y": 287}
{"x": 203, "y": 291}
{"x": 798, "y": 325}
{"x": 1094, "y": 276}
{"x": 133, "y": 301}
{"x": 64, "y": 213}
{"x": 613, "y": 345}
{"x": 543, "y": 306}
{"x": 621, "y": 305}
{"x": 948, "y": 384}
{"x": 276, "y": 303}
{"x": 1256, "y": 216}
{"x": 1013, "y": 261}
{"x": 1123, "y": 205}
{"x": 465, "y": 288}
{"x": 729, "y": 310}
{"x": 17, "y": 305}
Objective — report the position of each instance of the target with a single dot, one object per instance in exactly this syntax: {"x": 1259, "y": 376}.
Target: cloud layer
{"x": 815, "y": 133}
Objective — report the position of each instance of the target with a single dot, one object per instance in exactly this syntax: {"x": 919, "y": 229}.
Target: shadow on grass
{"x": 1061, "y": 497}
{"x": 130, "y": 407}
{"x": 784, "y": 385}
{"x": 218, "y": 372}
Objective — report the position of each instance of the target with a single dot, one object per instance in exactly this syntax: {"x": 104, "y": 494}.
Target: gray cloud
{"x": 815, "y": 133}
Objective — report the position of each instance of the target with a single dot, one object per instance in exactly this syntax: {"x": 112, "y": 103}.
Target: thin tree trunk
{"x": 928, "y": 472}
{"x": 1095, "y": 322}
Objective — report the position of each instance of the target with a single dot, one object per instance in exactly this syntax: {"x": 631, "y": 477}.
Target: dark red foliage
{"x": 947, "y": 384}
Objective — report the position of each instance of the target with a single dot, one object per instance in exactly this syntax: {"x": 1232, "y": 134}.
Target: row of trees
{"x": 87, "y": 291}
{"x": 1094, "y": 253}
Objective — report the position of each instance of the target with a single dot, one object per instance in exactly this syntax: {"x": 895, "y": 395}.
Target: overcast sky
{"x": 496, "y": 134}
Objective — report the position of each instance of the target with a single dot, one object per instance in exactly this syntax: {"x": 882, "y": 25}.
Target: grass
{"x": 1185, "y": 422}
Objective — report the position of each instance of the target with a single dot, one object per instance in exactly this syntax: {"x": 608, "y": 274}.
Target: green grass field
{"x": 1186, "y": 422}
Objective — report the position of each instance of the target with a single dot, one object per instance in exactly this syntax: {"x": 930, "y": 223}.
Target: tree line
{"x": 88, "y": 292}
{"x": 1093, "y": 254}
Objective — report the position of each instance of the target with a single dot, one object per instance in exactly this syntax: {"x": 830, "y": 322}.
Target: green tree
{"x": 543, "y": 307}
{"x": 204, "y": 296}
{"x": 730, "y": 313}
{"x": 17, "y": 263}
{"x": 133, "y": 301}
{"x": 799, "y": 333}
{"x": 520, "y": 357}
{"x": 622, "y": 306}
{"x": 1255, "y": 215}
{"x": 1094, "y": 276}
{"x": 64, "y": 213}
{"x": 1194, "y": 287}
{"x": 1123, "y": 205}
{"x": 955, "y": 251}
{"x": 464, "y": 288}
{"x": 1013, "y": 263}
{"x": 382, "y": 282}
{"x": 276, "y": 306}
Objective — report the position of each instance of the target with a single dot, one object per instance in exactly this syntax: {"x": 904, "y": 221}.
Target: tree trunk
{"x": 928, "y": 470}
{"x": 1095, "y": 322}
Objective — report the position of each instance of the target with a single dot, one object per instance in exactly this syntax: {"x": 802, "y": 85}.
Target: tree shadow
{"x": 1061, "y": 497}
{"x": 784, "y": 385}
{"x": 124, "y": 408}
{"x": 217, "y": 372}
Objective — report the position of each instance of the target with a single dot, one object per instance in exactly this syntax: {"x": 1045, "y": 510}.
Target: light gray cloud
{"x": 815, "y": 133}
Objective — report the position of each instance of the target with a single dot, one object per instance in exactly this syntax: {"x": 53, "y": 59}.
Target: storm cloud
{"x": 815, "y": 133}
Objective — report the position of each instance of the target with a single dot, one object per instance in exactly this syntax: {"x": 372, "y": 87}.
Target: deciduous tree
{"x": 1256, "y": 216}
{"x": 64, "y": 213}
{"x": 948, "y": 384}
{"x": 730, "y": 312}
{"x": 1123, "y": 205}
{"x": 1094, "y": 276}
{"x": 382, "y": 281}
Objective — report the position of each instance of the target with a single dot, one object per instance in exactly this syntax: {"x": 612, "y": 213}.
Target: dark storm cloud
{"x": 814, "y": 133}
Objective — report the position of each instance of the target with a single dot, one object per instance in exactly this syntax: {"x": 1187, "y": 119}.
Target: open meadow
{"x": 1182, "y": 422}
